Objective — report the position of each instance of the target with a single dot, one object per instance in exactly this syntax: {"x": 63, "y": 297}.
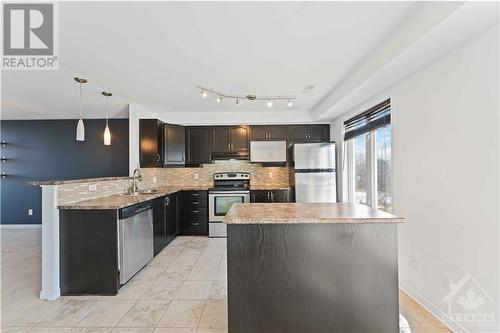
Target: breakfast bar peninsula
{"x": 312, "y": 267}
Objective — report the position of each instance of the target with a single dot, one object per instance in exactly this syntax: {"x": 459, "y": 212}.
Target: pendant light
{"x": 80, "y": 128}
{"x": 107, "y": 133}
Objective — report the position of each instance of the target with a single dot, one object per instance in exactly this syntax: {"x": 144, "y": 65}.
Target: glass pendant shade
{"x": 80, "y": 131}
{"x": 107, "y": 136}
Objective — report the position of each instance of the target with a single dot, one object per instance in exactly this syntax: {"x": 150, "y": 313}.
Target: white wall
{"x": 445, "y": 150}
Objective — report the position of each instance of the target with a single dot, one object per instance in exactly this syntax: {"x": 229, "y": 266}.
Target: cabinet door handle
{"x": 272, "y": 196}
{"x": 194, "y": 194}
{"x": 195, "y": 211}
{"x": 195, "y": 202}
{"x": 167, "y": 201}
{"x": 158, "y": 157}
{"x": 196, "y": 223}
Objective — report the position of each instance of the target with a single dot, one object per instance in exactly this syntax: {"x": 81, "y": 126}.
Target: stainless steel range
{"x": 229, "y": 188}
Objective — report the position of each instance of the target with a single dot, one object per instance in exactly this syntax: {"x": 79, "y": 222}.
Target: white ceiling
{"x": 154, "y": 53}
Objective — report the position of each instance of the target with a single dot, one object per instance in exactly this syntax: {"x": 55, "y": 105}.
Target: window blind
{"x": 373, "y": 118}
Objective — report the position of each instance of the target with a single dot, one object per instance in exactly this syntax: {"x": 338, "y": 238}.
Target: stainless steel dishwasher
{"x": 135, "y": 239}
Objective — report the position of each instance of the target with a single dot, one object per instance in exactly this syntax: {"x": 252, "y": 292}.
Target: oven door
{"x": 219, "y": 203}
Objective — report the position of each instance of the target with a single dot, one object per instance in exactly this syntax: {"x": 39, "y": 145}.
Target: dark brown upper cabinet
{"x": 268, "y": 133}
{"x": 198, "y": 145}
{"x": 230, "y": 141}
{"x": 151, "y": 140}
{"x": 309, "y": 133}
{"x": 174, "y": 145}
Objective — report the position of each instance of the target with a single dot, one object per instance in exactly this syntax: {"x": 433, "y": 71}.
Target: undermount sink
{"x": 142, "y": 192}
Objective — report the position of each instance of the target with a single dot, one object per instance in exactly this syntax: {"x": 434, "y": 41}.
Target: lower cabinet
{"x": 194, "y": 217}
{"x": 166, "y": 221}
{"x": 272, "y": 196}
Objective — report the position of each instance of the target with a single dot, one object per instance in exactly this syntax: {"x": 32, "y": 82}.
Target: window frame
{"x": 371, "y": 154}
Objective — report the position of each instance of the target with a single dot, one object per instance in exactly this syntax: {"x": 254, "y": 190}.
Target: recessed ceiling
{"x": 154, "y": 53}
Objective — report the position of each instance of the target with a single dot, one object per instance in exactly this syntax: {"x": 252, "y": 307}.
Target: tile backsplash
{"x": 196, "y": 177}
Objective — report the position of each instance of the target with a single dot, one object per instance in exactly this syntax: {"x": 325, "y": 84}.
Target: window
{"x": 368, "y": 143}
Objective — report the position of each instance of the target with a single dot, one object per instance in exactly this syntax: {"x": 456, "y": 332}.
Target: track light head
{"x": 269, "y": 104}
{"x": 237, "y": 102}
{"x": 218, "y": 99}
{"x": 204, "y": 93}
{"x": 290, "y": 104}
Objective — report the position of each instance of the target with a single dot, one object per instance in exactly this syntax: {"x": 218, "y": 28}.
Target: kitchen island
{"x": 311, "y": 267}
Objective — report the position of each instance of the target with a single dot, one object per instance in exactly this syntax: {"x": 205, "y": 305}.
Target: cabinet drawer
{"x": 194, "y": 211}
{"x": 194, "y": 202}
{"x": 195, "y": 224}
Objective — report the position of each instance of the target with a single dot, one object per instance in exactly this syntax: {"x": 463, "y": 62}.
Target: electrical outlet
{"x": 92, "y": 187}
{"x": 270, "y": 174}
{"x": 155, "y": 179}
{"x": 445, "y": 281}
{"x": 196, "y": 176}
{"x": 30, "y": 211}
{"x": 413, "y": 262}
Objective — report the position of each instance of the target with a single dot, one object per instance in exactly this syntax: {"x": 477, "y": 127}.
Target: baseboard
{"x": 19, "y": 226}
{"x": 431, "y": 308}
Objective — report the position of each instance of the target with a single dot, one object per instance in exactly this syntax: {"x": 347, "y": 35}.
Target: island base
{"x": 312, "y": 278}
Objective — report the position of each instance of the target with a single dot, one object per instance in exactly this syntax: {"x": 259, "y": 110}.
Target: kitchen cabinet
{"x": 309, "y": 133}
{"x": 174, "y": 146}
{"x": 231, "y": 141}
{"x": 271, "y": 196}
{"x": 194, "y": 208}
{"x": 268, "y": 133}
{"x": 166, "y": 221}
{"x": 198, "y": 145}
{"x": 151, "y": 140}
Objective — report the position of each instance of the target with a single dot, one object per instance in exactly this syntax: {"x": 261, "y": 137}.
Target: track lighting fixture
{"x": 250, "y": 97}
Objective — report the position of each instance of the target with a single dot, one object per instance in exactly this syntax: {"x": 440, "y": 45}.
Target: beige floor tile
{"x": 190, "y": 251}
{"x": 209, "y": 259}
{"x": 132, "y": 330}
{"x": 214, "y": 315}
{"x": 175, "y": 272}
{"x": 163, "y": 289}
{"x": 182, "y": 314}
{"x": 221, "y": 272}
{"x": 162, "y": 260}
{"x": 211, "y": 330}
{"x": 218, "y": 290}
{"x": 201, "y": 272}
{"x": 15, "y": 329}
{"x": 107, "y": 313}
{"x": 150, "y": 273}
{"x": 30, "y": 313}
{"x": 175, "y": 330}
{"x": 134, "y": 289}
{"x": 185, "y": 260}
{"x": 145, "y": 313}
{"x": 50, "y": 330}
{"x": 194, "y": 290}
{"x": 91, "y": 330}
{"x": 69, "y": 314}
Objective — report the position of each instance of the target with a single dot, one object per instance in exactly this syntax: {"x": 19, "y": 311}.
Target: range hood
{"x": 229, "y": 155}
{"x": 268, "y": 151}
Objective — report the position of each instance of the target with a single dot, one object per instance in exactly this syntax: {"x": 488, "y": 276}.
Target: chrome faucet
{"x": 135, "y": 187}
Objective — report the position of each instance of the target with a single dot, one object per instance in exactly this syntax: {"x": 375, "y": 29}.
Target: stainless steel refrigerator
{"x": 315, "y": 176}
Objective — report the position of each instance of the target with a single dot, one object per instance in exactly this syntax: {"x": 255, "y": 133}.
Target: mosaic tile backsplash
{"x": 196, "y": 177}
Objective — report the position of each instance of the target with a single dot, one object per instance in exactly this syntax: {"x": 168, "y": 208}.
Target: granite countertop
{"x": 74, "y": 181}
{"x": 294, "y": 213}
{"x": 118, "y": 201}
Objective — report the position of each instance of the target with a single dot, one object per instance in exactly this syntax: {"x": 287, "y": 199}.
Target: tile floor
{"x": 183, "y": 289}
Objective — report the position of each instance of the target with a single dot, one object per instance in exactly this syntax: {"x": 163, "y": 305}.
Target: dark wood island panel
{"x": 323, "y": 277}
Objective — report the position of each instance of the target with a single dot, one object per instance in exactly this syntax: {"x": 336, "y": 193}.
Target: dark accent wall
{"x": 47, "y": 149}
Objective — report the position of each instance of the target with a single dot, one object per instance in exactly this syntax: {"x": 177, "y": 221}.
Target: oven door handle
{"x": 229, "y": 192}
